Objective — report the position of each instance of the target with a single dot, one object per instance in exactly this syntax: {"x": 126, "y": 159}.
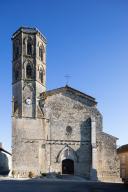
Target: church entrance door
{"x": 68, "y": 166}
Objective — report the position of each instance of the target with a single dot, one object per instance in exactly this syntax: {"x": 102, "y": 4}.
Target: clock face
{"x": 28, "y": 101}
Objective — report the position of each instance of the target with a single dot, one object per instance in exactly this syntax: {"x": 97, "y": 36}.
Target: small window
{"x": 29, "y": 71}
{"x": 29, "y": 48}
{"x": 41, "y": 75}
{"x": 41, "y": 53}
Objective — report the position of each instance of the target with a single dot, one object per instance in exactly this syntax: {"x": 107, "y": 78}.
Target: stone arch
{"x": 41, "y": 51}
{"x": 27, "y": 61}
{"x": 68, "y": 166}
{"x": 25, "y": 41}
{"x": 26, "y": 66}
{"x": 67, "y": 153}
{"x": 28, "y": 92}
{"x": 28, "y": 85}
{"x": 29, "y": 48}
{"x": 28, "y": 45}
{"x": 41, "y": 74}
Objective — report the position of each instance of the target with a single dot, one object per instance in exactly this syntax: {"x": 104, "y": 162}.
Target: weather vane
{"x": 67, "y": 76}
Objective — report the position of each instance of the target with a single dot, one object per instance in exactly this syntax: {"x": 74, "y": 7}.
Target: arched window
{"x": 29, "y": 48}
{"x": 41, "y": 53}
{"x": 29, "y": 71}
{"x": 41, "y": 75}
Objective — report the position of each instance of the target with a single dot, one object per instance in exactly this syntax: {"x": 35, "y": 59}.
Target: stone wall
{"x": 70, "y": 129}
{"x": 27, "y": 136}
{"x": 108, "y": 166}
{"x": 70, "y": 124}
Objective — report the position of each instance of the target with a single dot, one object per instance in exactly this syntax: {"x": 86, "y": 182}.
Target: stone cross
{"x": 67, "y": 78}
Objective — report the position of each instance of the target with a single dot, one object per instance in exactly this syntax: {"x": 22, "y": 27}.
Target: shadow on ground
{"x": 51, "y": 185}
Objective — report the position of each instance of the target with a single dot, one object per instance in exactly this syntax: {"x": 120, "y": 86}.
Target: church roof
{"x": 72, "y": 90}
{"x": 30, "y": 30}
{"x": 106, "y": 134}
{"x": 1, "y": 149}
{"x": 123, "y": 148}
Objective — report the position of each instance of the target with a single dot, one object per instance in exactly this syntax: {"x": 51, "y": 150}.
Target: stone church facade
{"x": 58, "y": 130}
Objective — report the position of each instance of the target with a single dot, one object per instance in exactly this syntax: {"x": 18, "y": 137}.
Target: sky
{"x": 87, "y": 39}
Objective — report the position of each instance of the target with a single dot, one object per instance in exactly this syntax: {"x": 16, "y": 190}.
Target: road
{"x": 59, "y": 186}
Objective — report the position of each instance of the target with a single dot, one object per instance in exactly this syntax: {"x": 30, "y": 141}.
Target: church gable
{"x": 68, "y": 111}
{"x": 73, "y": 94}
{"x": 66, "y": 107}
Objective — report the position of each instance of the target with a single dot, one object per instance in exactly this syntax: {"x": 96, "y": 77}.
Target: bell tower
{"x": 28, "y": 82}
{"x": 29, "y": 71}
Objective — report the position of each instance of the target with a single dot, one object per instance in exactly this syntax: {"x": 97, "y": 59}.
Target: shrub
{"x": 30, "y": 174}
{"x": 43, "y": 174}
{"x": 13, "y": 173}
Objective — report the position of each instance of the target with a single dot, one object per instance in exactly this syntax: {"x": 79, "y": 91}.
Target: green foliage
{"x": 43, "y": 174}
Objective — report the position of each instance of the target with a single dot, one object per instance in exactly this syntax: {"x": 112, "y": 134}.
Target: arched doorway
{"x": 68, "y": 166}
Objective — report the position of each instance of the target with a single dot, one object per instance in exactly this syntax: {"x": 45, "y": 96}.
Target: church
{"x": 54, "y": 131}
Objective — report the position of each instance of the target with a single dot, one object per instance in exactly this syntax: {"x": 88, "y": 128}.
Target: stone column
{"x": 93, "y": 173}
{"x": 48, "y": 137}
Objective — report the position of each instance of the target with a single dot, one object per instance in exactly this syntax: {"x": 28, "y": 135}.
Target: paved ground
{"x": 42, "y": 185}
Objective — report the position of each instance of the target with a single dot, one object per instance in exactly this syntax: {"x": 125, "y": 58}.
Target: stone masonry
{"x": 55, "y": 131}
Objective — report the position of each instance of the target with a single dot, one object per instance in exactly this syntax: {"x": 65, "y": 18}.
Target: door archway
{"x": 68, "y": 166}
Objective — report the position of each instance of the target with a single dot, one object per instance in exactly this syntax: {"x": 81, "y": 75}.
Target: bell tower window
{"x": 29, "y": 71}
{"x": 41, "y": 53}
{"x": 41, "y": 75}
{"x": 29, "y": 48}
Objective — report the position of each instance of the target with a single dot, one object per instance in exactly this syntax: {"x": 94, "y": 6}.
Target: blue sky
{"x": 87, "y": 39}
